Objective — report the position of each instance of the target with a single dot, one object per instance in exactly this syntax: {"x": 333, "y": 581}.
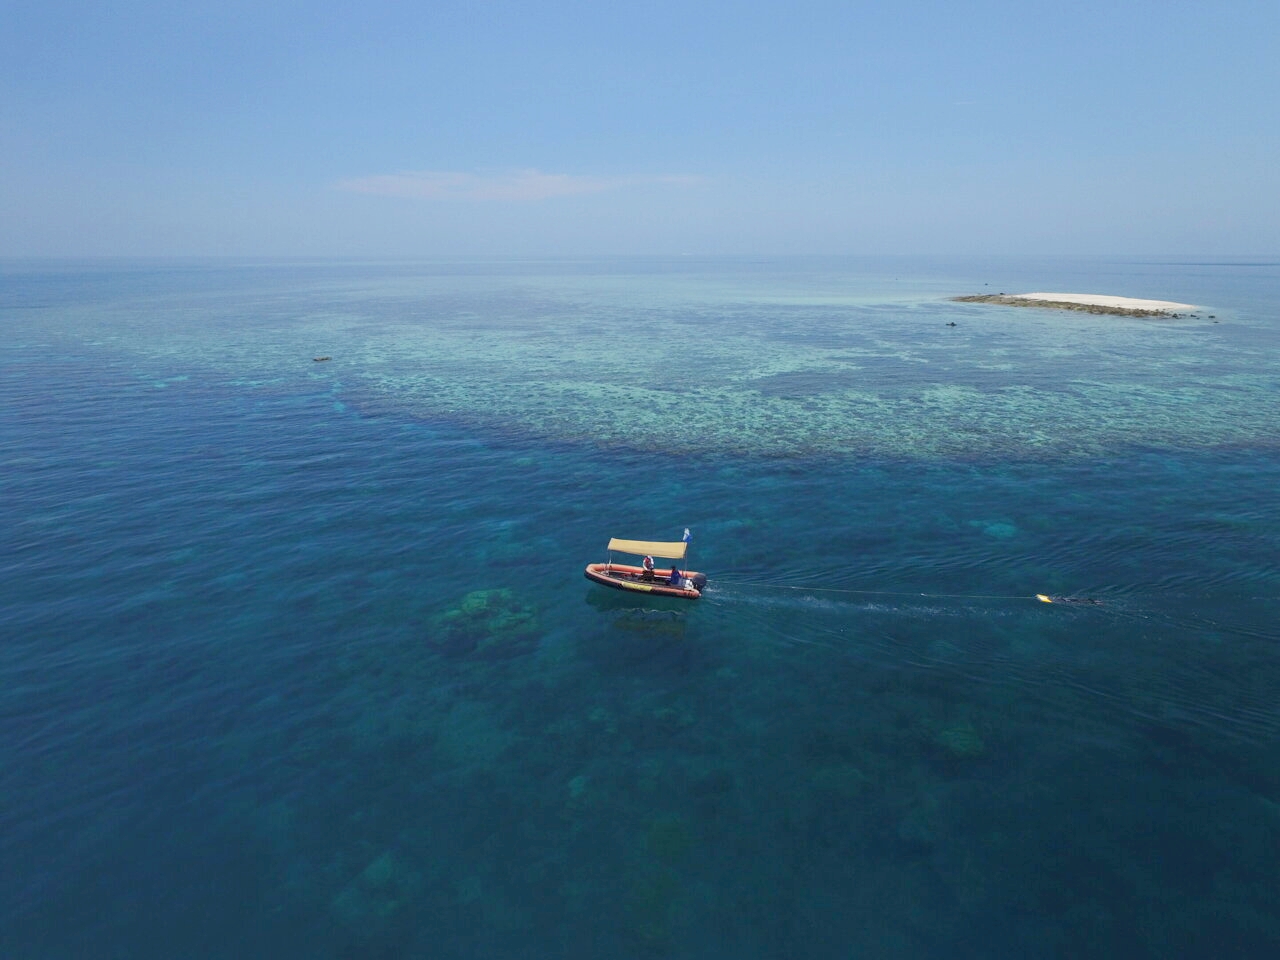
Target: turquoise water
{"x": 298, "y": 659}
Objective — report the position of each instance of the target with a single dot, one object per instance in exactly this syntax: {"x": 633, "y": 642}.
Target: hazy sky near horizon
{"x": 451, "y": 127}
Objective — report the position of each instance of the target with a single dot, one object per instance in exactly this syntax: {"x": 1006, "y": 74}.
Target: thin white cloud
{"x": 515, "y": 185}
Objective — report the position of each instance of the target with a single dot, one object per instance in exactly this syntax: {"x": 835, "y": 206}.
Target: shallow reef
{"x": 868, "y": 375}
{"x": 486, "y": 623}
{"x": 961, "y": 741}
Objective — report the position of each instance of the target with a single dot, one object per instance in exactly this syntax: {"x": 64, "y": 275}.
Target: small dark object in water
{"x": 951, "y": 324}
{"x": 321, "y": 359}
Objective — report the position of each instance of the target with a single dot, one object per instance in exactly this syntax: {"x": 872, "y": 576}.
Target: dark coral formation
{"x": 491, "y": 623}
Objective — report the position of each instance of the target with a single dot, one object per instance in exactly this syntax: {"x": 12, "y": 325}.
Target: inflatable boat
{"x": 655, "y": 582}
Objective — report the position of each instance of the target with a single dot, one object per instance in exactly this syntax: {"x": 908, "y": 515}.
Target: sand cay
{"x": 1086, "y": 302}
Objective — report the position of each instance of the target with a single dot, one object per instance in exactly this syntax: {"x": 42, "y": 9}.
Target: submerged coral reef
{"x": 488, "y": 623}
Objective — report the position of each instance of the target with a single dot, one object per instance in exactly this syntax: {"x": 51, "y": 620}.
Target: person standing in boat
{"x": 676, "y": 575}
{"x": 647, "y": 564}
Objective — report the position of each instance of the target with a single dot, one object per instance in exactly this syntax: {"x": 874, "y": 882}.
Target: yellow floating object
{"x": 1042, "y": 597}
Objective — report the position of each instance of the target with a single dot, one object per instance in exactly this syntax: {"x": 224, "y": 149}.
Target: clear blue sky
{"x": 447, "y": 127}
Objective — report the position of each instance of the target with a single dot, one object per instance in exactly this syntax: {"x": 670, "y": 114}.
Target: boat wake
{"x": 1164, "y": 661}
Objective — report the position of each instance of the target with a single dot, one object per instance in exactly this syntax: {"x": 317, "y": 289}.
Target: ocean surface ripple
{"x": 298, "y": 659}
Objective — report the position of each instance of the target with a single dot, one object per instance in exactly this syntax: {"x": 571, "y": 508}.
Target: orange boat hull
{"x": 622, "y": 576}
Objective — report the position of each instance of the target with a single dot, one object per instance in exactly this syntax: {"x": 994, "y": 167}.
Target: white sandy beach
{"x": 1099, "y": 300}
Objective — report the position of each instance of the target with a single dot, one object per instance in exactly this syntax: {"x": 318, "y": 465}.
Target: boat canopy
{"x": 668, "y": 551}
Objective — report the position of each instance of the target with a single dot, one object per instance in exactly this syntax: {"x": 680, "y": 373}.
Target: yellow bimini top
{"x": 667, "y": 551}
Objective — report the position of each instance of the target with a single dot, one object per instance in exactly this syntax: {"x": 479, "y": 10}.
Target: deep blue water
{"x": 297, "y": 659}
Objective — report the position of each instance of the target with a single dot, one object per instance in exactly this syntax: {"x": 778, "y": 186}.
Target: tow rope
{"x": 1042, "y": 597}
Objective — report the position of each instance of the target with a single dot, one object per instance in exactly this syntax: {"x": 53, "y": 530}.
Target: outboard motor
{"x": 699, "y": 580}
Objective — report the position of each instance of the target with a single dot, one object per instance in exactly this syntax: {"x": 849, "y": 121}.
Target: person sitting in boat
{"x": 647, "y": 565}
{"x": 676, "y": 575}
